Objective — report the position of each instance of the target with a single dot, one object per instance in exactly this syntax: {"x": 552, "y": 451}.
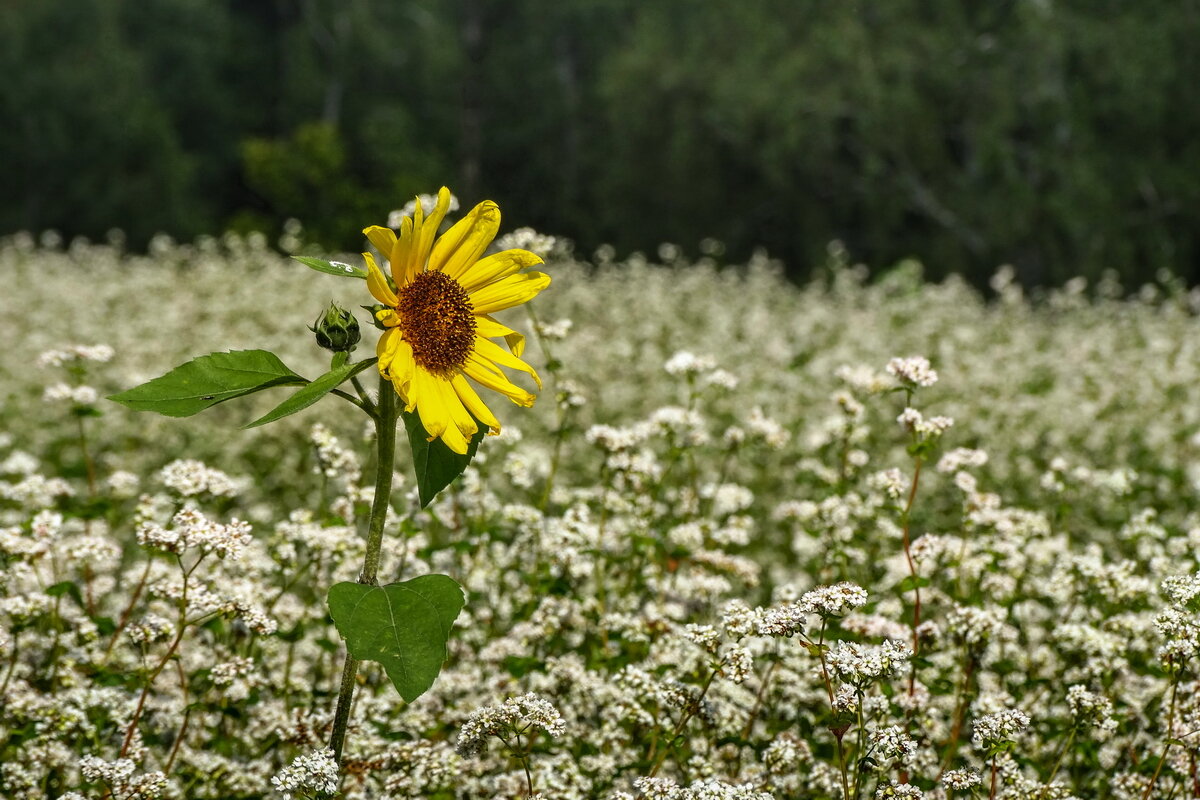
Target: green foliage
{"x": 1056, "y": 137}
{"x": 205, "y": 381}
{"x": 435, "y": 464}
{"x": 314, "y": 391}
{"x": 403, "y": 626}
{"x": 332, "y": 267}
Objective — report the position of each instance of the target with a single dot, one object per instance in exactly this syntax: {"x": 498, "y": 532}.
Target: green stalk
{"x": 385, "y": 443}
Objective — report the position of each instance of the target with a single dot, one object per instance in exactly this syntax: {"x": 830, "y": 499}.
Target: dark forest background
{"x": 1061, "y": 136}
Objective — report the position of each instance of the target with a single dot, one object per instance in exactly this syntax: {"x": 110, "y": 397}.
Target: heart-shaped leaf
{"x": 436, "y": 464}
{"x": 205, "y": 381}
{"x": 403, "y": 626}
{"x": 332, "y": 267}
{"x": 314, "y": 391}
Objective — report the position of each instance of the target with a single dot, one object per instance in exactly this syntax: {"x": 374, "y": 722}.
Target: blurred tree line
{"x": 1062, "y": 136}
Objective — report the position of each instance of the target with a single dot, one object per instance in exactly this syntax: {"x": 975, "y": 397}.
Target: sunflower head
{"x": 436, "y": 314}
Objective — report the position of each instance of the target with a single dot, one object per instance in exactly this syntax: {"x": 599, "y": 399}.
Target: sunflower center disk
{"x": 438, "y": 321}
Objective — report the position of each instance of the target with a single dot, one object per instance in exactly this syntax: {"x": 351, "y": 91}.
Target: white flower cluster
{"x": 861, "y": 664}
{"x": 98, "y": 353}
{"x": 189, "y": 478}
{"x": 66, "y": 393}
{"x": 685, "y": 363}
{"x": 956, "y": 779}
{"x": 1090, "y": 708}
{"x": 122, "y": 779}
{"x": 521, "y": 714}
{"x": 999, "y": 728}
{"x": 315, "y": 772}
{"x": 706, "y": 789}
{"x": 539, "y": 244}
{"x": 904, "y": 791}
{"x": 190, "y": 529}
{"x": 912, "y": 371}
{"x": 333, "y": 460}
{"x": 916, "y": 422}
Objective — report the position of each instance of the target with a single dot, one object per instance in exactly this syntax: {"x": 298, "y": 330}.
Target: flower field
{"x": 755, "y": 540}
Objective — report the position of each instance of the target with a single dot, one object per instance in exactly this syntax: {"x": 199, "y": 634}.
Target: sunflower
{"x": 437, "y": 315}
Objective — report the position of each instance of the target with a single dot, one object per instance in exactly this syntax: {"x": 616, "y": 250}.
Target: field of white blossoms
{"x": 843, "y": 540}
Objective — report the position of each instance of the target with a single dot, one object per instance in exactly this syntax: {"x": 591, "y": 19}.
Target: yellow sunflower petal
{"x": 387, "y": 317}
{"x": 486, "y": 348}
{"x": 400, "y": 251}
{"x": 462, "y": 245}
{"x": 486, "y": 326}
{"x": 470, "y": 398}
{"x": 509, "y": 292}
{"x": 485, "y": 374}
{"x": 435, "y": 417}
{"x": 383, "y": 239}
{"x": 497, "y": 266}
{"x": 385, "y": 349}
{"x": 377, "y": 283}
{"x": 423, "y": 241}
{"x": 401, "y": 369}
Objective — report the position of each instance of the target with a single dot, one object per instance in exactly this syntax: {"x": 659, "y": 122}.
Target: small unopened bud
{"x": 336, "y": 329}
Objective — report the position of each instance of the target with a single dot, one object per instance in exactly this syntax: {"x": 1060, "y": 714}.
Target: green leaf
{"x": 332, "y": 267}
{"x": 403, "y": 626}
{"x": 205, "y": 381}
{"x": 436, "y": 464}
{"x": 911, "y": 582}
{"x": 66, "y": 587}
{"x": 313, "y": 391}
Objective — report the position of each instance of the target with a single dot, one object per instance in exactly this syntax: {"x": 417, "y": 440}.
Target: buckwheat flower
{"x": 528, "y": 239}
{"x": 1182, "y": 590}
{"x": 333, "y": 460}
{"x": 188, "y": 478}
{"x": 737, "y": 664}
{"x": 906, "y": 791}
{"x": 556, "y": 330}
{"x": 1089, "y": 708}
{"x": 151, "y": 628}
{"x": 615, "y": 440}
{"x": 771, "y": 432}
{"x": 833, "y": 601}
{"x": 961, "y": 457}
{"x": 781, "y": 621}
{"x": 956, "y": 779}
{"x": 123, "y": 484}
{"x": 722, "y": 379}
{"x": 706, "y": 636}
{"x": 893, "y": 744}
{"x": 515, "y": 715}
{"x": 308, "y": 773}
{"x": 121, "y": 779}
{"x": 913, "y": 371}
{"x": 1000, "y": 728}
{"x": 684, "y": 362}
{"x": 437, "y": 319}
{"x": 737, "y": 618}
{"x": 862, "y": 664}
{"x": 657, "y": 788}
{"x": 65, "y": 393}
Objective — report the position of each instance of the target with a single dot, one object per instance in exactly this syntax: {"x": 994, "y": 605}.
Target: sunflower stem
{"x": 386, "y": 418}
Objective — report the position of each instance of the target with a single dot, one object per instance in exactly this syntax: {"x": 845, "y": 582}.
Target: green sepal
{"x": 403, "y": 626}
{"x": 207, "y": 380}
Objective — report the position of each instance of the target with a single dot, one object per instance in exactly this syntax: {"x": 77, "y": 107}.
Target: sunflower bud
{"x": 336, "y": 329}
